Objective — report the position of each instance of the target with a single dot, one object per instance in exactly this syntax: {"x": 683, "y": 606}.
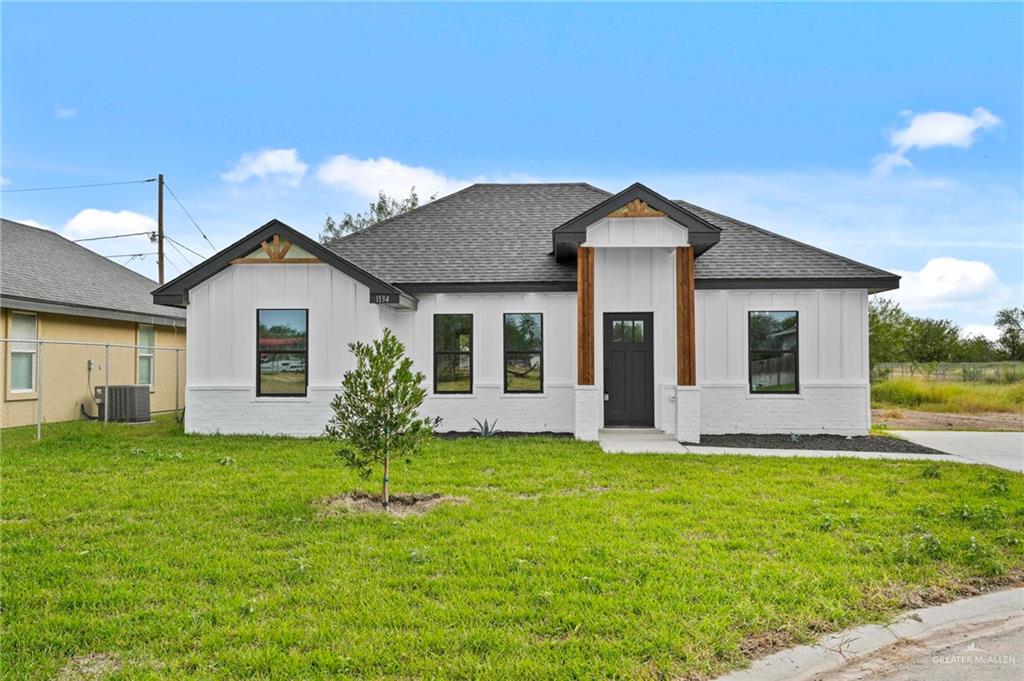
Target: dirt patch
{"x": 764, "y": 643}
{"x": 91, "y": 666}
{"x": 906, "y": 419}
{"x": 974, "y": 586}
{"x": 401, "y": 504}
{"x": 828, "y": 443}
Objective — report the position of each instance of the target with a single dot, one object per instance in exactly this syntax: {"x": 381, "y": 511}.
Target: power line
{"x": 185, "y": 247}
{"x": 180, "y": 252}
{"x": 113, "y": 236}
{"x": 76, "y": 186}
{"x": 175, "y": 196}
{"x": 172, "y": 263}
{"x": 129, "y": 255}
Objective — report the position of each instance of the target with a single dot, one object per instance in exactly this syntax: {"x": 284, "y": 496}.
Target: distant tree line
{"x": 897, "y": 336}
{"x": 384, "y": 208}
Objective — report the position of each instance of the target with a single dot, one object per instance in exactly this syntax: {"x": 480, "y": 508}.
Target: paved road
{"x": 1005, "y": 450}
{"x": 993, "y": 655}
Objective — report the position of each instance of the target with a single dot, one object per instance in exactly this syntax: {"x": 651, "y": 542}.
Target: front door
{"x": 629, "y": 369}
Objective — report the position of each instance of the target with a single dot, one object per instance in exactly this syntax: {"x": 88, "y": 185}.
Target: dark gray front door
{"x": 629, "y": 369}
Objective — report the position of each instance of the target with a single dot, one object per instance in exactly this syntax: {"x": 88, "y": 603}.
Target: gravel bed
{"x": 458, "y": 435}
{"x": 857, "y": 443}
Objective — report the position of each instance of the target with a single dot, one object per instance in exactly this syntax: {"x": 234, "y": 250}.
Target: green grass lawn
{"x": 948, "y": 396}
{"x": 191, "y": 556}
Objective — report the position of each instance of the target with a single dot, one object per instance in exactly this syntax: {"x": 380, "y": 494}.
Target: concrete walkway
{"x": 1005, "y": 450}
{"x": 975, "y": 638}
{"x": 650, "y": 441}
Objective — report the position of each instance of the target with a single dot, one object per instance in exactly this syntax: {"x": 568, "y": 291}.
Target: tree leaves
{"x": 376, "y": 416}
{"x": 382, "y": 209}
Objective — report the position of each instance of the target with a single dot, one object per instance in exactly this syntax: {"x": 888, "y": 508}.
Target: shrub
{"x": 487, "y": 428}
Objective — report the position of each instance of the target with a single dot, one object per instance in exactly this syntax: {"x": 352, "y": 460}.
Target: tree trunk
{"x": 387, "y": 499}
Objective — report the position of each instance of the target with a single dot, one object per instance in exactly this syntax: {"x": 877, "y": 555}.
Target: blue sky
{"x": 891, "y": 134}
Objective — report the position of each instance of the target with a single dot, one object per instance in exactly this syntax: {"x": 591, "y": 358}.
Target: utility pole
{"x": 160, "y": 226}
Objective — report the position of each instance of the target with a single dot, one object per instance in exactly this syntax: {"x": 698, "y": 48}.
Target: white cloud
{"x": 948, "y": 283}
{"x": 64, "y": 112}
{"x": 933, "y": 129}
{"x": 281, "y": 165}
{"x": 93, "y": 222}
{"x": 367, "y": 177}
{"x": 985, "y": 330}
{"x": 4, "y": 181}
{"x": 858, "y": 215}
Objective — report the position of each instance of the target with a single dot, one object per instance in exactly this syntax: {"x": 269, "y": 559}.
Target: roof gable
{"x": 639, "y": 201}
{"x": 271, "y": 244}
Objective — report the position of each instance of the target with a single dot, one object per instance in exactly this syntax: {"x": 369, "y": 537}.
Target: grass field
{"x": 202, "y": 557}
{"x": 951, "y": 397}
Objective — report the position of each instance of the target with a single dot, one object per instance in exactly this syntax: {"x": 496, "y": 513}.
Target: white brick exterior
{"x": 834, "y": 392}
{"x": 835, "y": 408}
{"x": 589, "y": 408}
{"x": 688, "y": 418}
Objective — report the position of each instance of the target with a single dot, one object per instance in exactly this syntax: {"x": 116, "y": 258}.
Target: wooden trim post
{"x": 686, "y": 348}
{"x": 585, "y": 316}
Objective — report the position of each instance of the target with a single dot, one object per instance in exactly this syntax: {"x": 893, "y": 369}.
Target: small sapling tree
{"x": 376, "y": 416}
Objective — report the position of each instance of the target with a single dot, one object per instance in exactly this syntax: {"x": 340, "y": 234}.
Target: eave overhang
{"x": 175, "y": 292}
{"x": 566, "y": 237}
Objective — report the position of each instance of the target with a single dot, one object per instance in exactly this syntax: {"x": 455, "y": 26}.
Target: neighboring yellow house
{"x": 52, "y": 289}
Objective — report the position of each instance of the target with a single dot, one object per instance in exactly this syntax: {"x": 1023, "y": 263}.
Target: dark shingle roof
{"x": 483, "y": 233}
{"x": 42, "y": 266}
{"x": 748, "y": 252}
{"x": 502, "y": 233}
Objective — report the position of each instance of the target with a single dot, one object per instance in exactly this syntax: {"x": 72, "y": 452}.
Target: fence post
{"x": 39, "y": 391}
{"x": 176, "y": 386}
{"x": 106, "y": 383}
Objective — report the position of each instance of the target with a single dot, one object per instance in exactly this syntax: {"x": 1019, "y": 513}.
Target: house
{"x": 549, "y": 307}
{"x": 52, "y": 289}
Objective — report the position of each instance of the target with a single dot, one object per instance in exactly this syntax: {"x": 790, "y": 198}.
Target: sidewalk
{"x": 644, "y": 441}
{"x": 974, "y": 638}
{"x": 1005, "y": 450}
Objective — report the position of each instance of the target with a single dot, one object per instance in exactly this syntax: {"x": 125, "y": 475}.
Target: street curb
{"x": 831, "y": 652}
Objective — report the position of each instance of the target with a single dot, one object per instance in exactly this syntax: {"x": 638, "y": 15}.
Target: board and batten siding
{"x": 833, "y": 360}
{"x": 221, "y": 391}
{"x": 221, "y": 367}
{"x": 640, "y": 280}
{"x": 549, "y": 411}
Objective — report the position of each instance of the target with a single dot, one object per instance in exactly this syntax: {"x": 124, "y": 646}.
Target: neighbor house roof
{"x": 499, "y": 236}
{"x": 42, "y": 271}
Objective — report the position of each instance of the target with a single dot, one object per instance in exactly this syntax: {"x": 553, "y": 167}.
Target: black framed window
{"x": 282, "y": 353}
{"x": 524, "y": 352}
{"x": 453, "y": 353}
{"x": 774, "y": 352}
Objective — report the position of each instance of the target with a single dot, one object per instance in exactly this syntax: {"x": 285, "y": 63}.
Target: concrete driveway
{"x": 1005, "y": 450}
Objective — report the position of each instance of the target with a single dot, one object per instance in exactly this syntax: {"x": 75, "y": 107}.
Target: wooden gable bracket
{"x": 277, "y": 252}
{"x": 637, "y": 208}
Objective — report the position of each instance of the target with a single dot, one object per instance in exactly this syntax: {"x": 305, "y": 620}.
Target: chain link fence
{"x": 49, "y": 384}
{"x": 969, "y": 372}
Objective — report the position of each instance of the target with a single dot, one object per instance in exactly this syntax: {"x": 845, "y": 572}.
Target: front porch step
{"x": 634, "y": 440}
{"x": 634, "y": 433}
